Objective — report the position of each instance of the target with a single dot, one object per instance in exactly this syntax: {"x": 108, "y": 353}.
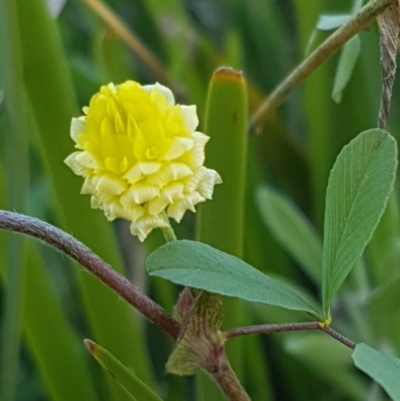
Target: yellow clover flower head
{"x": 141, "y": 156}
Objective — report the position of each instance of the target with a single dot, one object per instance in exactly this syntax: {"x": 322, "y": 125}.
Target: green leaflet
{"x": 359, "y": 186}
{"x": 200, "y": 266}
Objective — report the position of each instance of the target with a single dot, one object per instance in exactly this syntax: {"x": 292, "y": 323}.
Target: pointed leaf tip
{"x": 197, "y": 265}
{"x": 90, "y": 345}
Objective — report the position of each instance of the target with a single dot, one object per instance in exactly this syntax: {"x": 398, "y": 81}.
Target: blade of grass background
{"x": 384, "y": 248}
{"x": 17, "y": 176}
{"x": 220, "y": 222}
{"x": 49, "y": 87}
{"x": 330, "y": 127}
{"x": 57, "y": 351}
{"x": 259, "y": 25}
{"x": 317, "y": 108}
{"x": 66, "y": 377}
{"x": 124, "y": 377}
{"x": 111, "y": 55}
{"x": 266, "y": 255}
{"x": 328, "y": 360}
{"x": 292, "y": 230}
{"x": 384, "y": 311}
{"x": 257, "y": 376}
{"x": 260, "y": 249}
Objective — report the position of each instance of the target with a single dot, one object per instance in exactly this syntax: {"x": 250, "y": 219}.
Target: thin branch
{"x": 277, "y": 328}
{"x": 270, "y": 328}
{"x": 320, "y": 55}
{"x": 339, "y": 337}
{"x": 93, "y": 263}
{"x": 227, "y": 380}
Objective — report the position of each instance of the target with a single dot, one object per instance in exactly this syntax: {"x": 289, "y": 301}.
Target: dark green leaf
{"x": 197, "y": 265}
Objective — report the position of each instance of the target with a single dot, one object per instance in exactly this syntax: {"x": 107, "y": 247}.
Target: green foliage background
{"x": 50, "y": 67}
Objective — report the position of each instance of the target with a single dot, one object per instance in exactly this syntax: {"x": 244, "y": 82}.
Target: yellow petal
{"x": 169, "y": 173}
{"x": 178, "y": 209}
{"x": 178, "y": 147}
{"x": 139, "y": 193}
{"x": 77, "y": 126}
{"x": 86, "y": 160}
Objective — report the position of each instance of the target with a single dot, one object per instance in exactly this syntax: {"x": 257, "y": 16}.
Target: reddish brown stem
{"x": 228, "y": 381}
{"x": 276, "y": 328}
{"x": 270, "y": 328}
{"x": 93, "y": 263}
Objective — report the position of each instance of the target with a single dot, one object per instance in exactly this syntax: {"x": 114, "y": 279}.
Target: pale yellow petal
{"x": 139, "y": 193}
{"x": 178, "y": 147}
{"x": 72, "y": 162}
{"x": 111, "y": 184}
{"x": 169, "y": 173}
{"x": 190, "y": 118}
{"x": 178, "y": 209}
{"x": 143, "y": 226}
{"x": 206, "y": 186}
{"x": 140, "y": 170}
{"x": 77, "y": 127}
{"x": 86, "y": 160}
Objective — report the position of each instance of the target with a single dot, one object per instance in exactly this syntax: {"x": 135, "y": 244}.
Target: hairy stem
{"x": 319, "y": 56}
{"x": 228, "y": 382}
{"x": 337, "y": 336}
{"x": 93, "y": 263}
{"x": 276, "y": 328}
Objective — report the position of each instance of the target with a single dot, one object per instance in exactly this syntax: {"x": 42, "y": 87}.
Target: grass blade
{"x": 16, "y": 164}
{"x": 124, "y": 377}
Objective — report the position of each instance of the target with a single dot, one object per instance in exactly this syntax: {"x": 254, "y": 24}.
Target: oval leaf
{"x": 383, "y": 368}
{"x": 358, "y": 189}
{"x": 198, "y": 265}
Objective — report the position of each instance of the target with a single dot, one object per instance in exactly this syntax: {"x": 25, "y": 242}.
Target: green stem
{"x": 169, "y": 233}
